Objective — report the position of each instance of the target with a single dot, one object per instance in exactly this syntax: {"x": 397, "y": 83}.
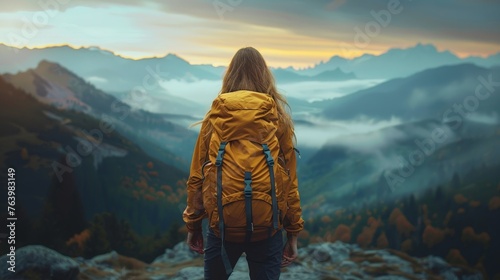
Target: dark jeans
{"x": 263, "y": 257}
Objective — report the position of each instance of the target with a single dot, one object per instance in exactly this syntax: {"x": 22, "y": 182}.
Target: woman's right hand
{"x": 195, "y": 241}
{"x": 290, "y": 252}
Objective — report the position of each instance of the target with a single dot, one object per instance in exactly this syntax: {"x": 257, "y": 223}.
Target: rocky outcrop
{"x": 41, "y": 262}
{"x": 317, "y": 261}
{"x": 179, "y": 254}
{"x": 345, "y": 261}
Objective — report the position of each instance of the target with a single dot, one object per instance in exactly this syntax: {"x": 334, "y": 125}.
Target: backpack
{"x": 243, "y": 182}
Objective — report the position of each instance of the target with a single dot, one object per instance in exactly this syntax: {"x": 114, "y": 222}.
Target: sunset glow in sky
{"x": 287, "y": 32}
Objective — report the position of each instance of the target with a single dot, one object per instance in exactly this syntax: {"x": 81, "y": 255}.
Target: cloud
{"x": 305, "y": 31}
{"x": 436, "y": 20}
{"x": 318, "y": 91}
{"x": 97, "y": 80}
{"x": 346, "y": 133}
{"x": 491, "y": 119}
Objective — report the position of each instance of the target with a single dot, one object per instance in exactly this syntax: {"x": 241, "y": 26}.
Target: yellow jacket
{"x": 195, "y": 210}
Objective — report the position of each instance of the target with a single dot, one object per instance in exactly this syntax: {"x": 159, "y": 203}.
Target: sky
{"x": 287, "y": 32}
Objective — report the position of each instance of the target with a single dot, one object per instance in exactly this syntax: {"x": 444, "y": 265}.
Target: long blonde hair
{"x": 248, "y": 71}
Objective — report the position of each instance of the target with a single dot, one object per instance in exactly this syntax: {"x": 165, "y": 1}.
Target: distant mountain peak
{"x": 174, "y": 57}
{"x": 45, "y": 66}
{"x": 422, "y": 46}
{"x": 429, "y": 51}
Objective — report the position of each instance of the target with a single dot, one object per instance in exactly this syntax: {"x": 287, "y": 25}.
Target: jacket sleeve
{"x": 293, "y": 221}
{"x": 195, "y": 212}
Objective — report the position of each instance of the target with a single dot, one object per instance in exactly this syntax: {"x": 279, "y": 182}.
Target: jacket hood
{"x": 244, "y": 114}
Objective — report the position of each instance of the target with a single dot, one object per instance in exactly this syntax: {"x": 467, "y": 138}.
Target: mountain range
{"x": 429, "y": 93}
{"x": 113, "y": 73}
{"x": 398, "y": 62}
{"x": 172, "y": 85}
{"x": 55, "y": 85}
{"x": 69, "y": 167}
{"x": 446, "y": 126}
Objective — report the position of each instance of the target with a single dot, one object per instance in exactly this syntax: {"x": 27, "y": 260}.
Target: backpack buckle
{"x": 267, "y": 153}
{"x": 248, "y": 185}
{"x": 220, "y": 154}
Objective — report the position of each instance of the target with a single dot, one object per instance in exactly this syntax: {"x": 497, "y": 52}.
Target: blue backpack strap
{"x": 218, "y": 163}
{"x": 270, "y": 164}
{"x": 248, "y": 205}
{"x": 297, "y": 151}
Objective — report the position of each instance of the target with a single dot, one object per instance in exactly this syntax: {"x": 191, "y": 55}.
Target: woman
{"x": 249, "y": 81}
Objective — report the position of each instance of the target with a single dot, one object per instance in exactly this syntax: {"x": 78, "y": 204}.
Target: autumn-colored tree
{"x": 372, "y": 222}
{"x": 402, "y": 224}
{"x": 79, "y": 238}
{"x": 432, "y": 236}
{"x": 153, "y": 173}
{"x": 469, "y": 235}
{"x": 142, "y": 183}
{"x": 460, "y": 210}
{"x": 365, "y": 238}
{"x": 181, "y": 183}
{"x": 494, "y": 203}
{"x": 460, "y": 199}
{"x": 172, "y": 198}
{"x": 342, "y": 233}
{"x": 456, "y": 258}
{"x": 326, "y": 219}
{"x": 475, "y": 203}
{"x": 382, "y": 241}
{"x": 160, "y": 194}
{"x": 24, "y": 154}
{"x": 328, "y": 236}
{"x": 167, "y": 188}
{"x": 150, "y": 165}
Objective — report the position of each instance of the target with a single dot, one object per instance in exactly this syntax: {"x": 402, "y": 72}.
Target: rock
{"x": 45, "y": 263}
{"x": 340, "y": 251}
{"x": 242, "y": 264}
{"x": 105, "y": 258}
{"x": 298, "y": 272}
{"x": 179, "y": 254}
{"x": 190, "y": 273}
{"x": 328, "y": 252}
{"x": 394, "y": 260}
{"x": 239, "y": 275}
{"x": 347, "y": 265}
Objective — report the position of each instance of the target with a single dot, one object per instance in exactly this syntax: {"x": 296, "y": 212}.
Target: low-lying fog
{"x": 194, "y": 99}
